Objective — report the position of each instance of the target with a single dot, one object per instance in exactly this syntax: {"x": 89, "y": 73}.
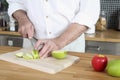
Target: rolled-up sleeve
{"x": 15, "y": 5}
{"x": 88, "y": 13}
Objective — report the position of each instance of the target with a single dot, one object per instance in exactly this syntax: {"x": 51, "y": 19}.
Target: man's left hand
{"x": 48, "y": 46}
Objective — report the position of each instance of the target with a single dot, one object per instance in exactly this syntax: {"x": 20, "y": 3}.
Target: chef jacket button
{"x": 46, "y": 0}
{"x": 50, "y": 32}
{"x": 46, "y": 16}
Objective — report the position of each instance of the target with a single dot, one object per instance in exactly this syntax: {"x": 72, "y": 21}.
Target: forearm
{"x": 26, "y": 28}
{"x": 20, "y": 16}
{"x": 72, "y": 33}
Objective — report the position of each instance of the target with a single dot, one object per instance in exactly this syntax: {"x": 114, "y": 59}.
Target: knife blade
{"x": 31, "y": 41}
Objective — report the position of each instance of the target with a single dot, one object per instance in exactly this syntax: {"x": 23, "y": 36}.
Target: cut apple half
{"x": 59, "y": 54}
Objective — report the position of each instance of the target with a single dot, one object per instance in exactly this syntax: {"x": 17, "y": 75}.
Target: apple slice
{"x": 35, "y": 54}
{"x": 28, "y": 56}
{"x": 20, "y": 54}
{"x": 59, "y": 54}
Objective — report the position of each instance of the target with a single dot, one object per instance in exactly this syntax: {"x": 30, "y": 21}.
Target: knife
{"x": 31, "y": 41}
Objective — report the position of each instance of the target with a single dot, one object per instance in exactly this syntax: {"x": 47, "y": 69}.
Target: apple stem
{"x": 100, "y": 55}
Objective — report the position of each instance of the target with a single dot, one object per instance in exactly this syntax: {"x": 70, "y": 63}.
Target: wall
{"x": 3, "y": 5}
{"x": 112, "y": 8}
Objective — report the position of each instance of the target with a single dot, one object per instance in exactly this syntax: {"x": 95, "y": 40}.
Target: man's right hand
{"x": 26, "y": 28}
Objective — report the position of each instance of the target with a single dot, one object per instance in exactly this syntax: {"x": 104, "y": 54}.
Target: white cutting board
{"x": 48, "y": 65}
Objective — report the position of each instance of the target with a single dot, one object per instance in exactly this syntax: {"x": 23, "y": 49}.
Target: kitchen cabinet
{"x": 107, "y": 42}
{"x": 103, "y": 47}
{"x": 8, "y": 38}
{"x": 11, "y": 40}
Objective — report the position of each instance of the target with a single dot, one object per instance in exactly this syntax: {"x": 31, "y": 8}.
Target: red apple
{"x": 99, "y": 62}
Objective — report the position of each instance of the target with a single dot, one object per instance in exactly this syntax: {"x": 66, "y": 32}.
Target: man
{"x": 57, "y": 24}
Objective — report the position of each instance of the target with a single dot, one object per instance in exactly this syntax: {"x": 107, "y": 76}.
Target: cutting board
{"x": 48, "y": 65}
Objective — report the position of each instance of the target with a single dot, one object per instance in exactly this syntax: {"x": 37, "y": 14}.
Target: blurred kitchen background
{"x": 109, "y": 19}
{"x": 112, "y": 10}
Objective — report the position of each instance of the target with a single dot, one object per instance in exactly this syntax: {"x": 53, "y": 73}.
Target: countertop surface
{"x": 109, "y": 35}
{"x": 81, "y": 70}
{"x": 9, "y": 33}
{"x": 106, "y": 36}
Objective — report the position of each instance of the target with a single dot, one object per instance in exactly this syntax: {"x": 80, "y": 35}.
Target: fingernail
{"x": 41, "y": 57}
{"x": 36, "y": 48}
{"x": 30, "y": 37}
{"x": 40, "y": 54}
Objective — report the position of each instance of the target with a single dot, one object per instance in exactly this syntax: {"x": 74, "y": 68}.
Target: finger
{"x": 25, "y": 35}
{"x": 22, "y": 31}
{"x": 47, "y": 53}
{"x": 30, "y": 32}
{"x": 38, "y": 43}
{"x": 44, "y": 49}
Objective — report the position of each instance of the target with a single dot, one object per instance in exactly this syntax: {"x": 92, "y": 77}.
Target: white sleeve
{"x": 15, "y": 5}
{"x": 88, "y": 13}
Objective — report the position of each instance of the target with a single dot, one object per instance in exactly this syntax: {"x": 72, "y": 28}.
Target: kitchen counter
{"x": 109, "y": 35}
{"x": 9, "y": 33}
{"x": 78, "y": 71}
{"x": 105, "y": 36}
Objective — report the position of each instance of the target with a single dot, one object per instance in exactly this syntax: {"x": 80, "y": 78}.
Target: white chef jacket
{"x": 52, "y": 17}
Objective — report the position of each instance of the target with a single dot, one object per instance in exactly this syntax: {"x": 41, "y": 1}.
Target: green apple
{"x": 35, "y": 54}
{"x": 20, "y": 54}
{"x": 59, "y": 54}
{"x": 28, "y": 56}
{"x": 113, "y": 68}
